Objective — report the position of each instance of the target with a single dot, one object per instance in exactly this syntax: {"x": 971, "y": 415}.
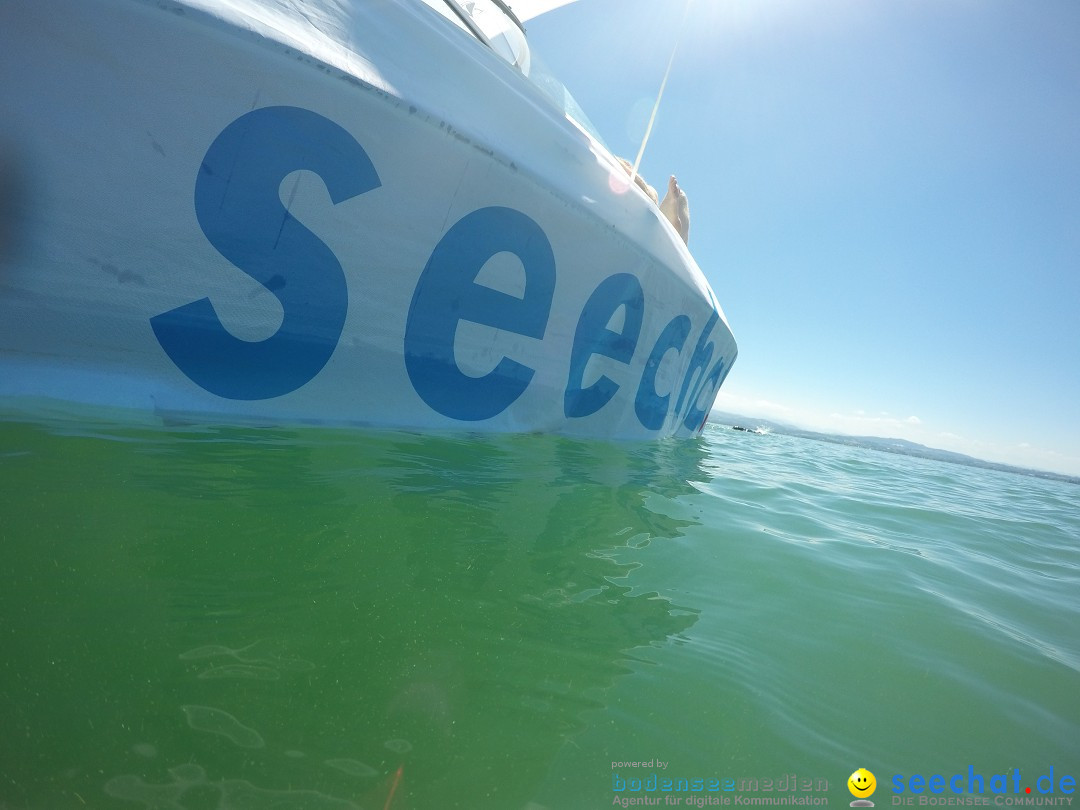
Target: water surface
{"x": 199, "y": 617}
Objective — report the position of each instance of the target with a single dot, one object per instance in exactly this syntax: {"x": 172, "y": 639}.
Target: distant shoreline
{"x": 898, "y": 446}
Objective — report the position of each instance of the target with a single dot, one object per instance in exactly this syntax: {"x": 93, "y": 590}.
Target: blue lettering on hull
{"x": 238, "y": 207}
{"x": 593, "y": 337}
{"x": 652, "y": 408}
{"x": 237, "y": 204}
{"x": 447, "y": 293}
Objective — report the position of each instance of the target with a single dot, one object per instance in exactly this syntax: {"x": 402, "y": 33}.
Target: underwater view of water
{"x": 240, "y": 618}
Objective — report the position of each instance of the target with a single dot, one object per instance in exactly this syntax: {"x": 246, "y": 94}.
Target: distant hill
{"x": 899, "y": 446}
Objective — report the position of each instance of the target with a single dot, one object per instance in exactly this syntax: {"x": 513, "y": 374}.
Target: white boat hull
{"x": 234, "y": 211}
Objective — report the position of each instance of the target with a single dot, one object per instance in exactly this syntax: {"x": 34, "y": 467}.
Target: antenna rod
{"x": 656, "y": 104}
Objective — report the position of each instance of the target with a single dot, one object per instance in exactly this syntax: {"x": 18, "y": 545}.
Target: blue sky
{"x": 885, "y": 195}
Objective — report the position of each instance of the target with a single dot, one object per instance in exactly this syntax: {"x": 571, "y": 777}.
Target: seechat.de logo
{"x": 1004, "y": 789}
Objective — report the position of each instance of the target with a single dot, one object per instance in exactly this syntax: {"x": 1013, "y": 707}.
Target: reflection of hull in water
{"x": 357, "y": 214}
{"x": 305, "y": 610}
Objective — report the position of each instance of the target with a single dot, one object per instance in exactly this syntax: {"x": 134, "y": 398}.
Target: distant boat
{"x": 378, "y": 213}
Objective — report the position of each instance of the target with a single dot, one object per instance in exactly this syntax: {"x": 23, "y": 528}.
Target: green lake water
{"x": 241, "y": 618}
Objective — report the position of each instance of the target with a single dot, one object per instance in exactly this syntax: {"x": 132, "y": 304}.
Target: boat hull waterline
{"x": 231, "y": 210}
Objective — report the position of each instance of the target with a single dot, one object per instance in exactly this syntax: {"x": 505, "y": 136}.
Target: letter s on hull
{"x": 240, "y": 211}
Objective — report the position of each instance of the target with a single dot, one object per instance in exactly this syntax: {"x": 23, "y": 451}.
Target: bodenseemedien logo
{"x": 862, "y": 785}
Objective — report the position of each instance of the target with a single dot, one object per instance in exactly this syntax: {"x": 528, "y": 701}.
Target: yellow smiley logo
{"x": 861, "y": 783}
